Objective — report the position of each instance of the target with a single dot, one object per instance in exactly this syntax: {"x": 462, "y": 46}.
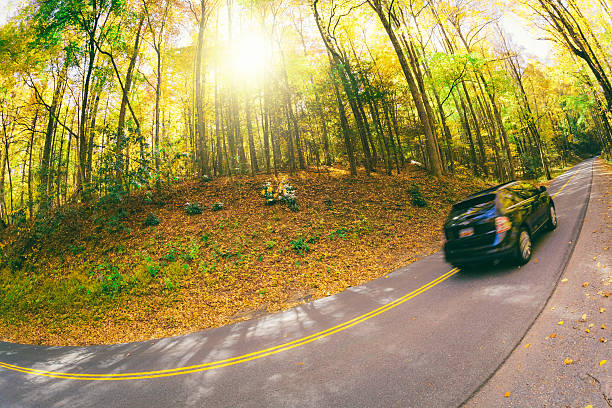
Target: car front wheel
{"x": 523, "y": 247}
{"x": 552, "y": 218}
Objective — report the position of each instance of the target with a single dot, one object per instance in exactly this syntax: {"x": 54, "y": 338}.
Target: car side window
{"x": 520, "y": 191}
{"x": 531, "y": 189}
{"x": 508, "y": 198}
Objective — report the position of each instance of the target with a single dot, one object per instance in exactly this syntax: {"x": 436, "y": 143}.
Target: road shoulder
{"x": 560, "y": 361}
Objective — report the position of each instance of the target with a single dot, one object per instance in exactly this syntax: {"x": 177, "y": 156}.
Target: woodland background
{"x": 102, "y": 97}
{"x": 144, "y": 143}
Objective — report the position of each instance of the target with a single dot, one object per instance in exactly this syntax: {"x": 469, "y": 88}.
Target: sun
{"x": 249, "y": 56}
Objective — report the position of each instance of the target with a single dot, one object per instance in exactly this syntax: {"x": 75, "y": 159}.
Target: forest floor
{"x": 97, "y": 274}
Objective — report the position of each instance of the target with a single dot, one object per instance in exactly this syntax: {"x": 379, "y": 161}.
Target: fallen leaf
{"x": 602, "y": 309}
{"x": 560, "y": 322}
{"x": 587, "y": 330}
{"x": 386, "y": 277}
{"x": 602, "y": 362}
{"x": 564, "y": 280}
{"x": 591, "y": 324}
{"x": 527, "y": 345}
{"x": 583, "y": 318}
{"x": 519, "y": 367}
{"x": 553, "y": 335}
{"x": 585, "y": 284}
{"x": 589, "y": 406}
{"x": 603, "y": 326}
{"x": 568, "y": 361}
{"x": 535, "y": 260}
{"x": 507, "y": 394}
{"x": 603, "y": 340}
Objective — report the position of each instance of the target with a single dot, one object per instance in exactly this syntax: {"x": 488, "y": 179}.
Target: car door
{"x": 524, "y": 208}
{"x": 538, "y": 212}
{"x": 542, "y": 198}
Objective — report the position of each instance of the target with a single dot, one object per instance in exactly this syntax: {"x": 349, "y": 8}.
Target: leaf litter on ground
{"x": 192, "y": 272}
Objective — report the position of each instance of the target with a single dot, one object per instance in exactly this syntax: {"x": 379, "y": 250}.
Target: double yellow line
{"x": 239, "y": 359}
{"x": 566, "y": 183}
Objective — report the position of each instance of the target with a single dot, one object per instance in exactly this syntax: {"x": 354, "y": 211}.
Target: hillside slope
{"x": 98, "y": 274}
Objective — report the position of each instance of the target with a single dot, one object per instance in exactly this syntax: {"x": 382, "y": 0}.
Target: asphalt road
{"x": 425, "y": 336}
{"x": 535, "y": 373}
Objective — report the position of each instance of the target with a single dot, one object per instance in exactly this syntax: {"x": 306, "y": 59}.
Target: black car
{"x": 498, "y": 223}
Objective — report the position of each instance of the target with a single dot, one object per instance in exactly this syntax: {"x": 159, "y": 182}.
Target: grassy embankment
{"x": 98, "y": 274}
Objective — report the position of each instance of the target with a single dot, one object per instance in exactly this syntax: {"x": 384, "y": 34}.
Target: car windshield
{"x": 476, "y": 202}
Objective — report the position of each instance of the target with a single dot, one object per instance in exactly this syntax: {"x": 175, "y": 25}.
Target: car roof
{"x": 491, "y": 190}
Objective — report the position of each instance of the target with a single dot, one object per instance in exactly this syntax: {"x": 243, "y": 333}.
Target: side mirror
{"x": 542, "y": 189}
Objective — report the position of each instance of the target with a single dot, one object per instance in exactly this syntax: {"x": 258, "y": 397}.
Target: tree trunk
{"x": 252, "y": 154}
{"x": 483, "y": 157}
{"x": 346, "y": 131}
{"x": 435, "y": 164}
{"x": 461, "y": 110}
{"x": 340, "y": 68}
{"x": 201, "y": 146}
{"x": 122, "y": 142}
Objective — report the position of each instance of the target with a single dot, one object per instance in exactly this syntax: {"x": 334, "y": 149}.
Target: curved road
{"x": 425, "y": 336}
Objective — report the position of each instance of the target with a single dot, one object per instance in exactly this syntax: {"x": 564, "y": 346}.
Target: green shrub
{"x": 300, "y": 246}
{"x": 112, "y": 284}
{"x": 75, "y": 249}
{"x": 151, "y": 220}
{"x": 313, "y": 239}
{"x": 169, "y": 284}
{"x": 217, "y": 206}
{"x": 15, "y": 264}
{"x": 194, "y": 252}
{"x": 339, "y": 233}
{"x": 113, "y": 223}
{"x": 148, "y": 197}
{"x": 171, "y": 255}
{"x": 270, "y": 244}
{"x": 153, "y": 270}
{"x": 193, "y": 208}
{"x": 416, "y": 197}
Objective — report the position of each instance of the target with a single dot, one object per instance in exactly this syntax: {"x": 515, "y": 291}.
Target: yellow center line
{"x": 566, "y": 183}
{"x": 239, "y": 359}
